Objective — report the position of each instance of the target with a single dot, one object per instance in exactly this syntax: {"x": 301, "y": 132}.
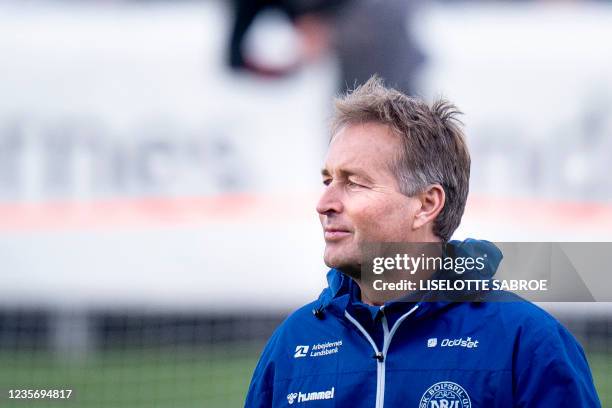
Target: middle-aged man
{"x": 397, "y": 171}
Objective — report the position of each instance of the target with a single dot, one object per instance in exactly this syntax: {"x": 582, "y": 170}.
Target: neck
{"x": 374, "y": 297}
{"x": 369, "y": 298}
{"x": 405, "y": 274}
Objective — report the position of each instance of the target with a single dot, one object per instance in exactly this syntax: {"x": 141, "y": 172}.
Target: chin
{"x": 333, "y": 259}
{"x": 346, "y": 265}
{"x": 330, "y": 262}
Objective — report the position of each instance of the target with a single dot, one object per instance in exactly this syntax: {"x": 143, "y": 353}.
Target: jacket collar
{"x": 343, "y": 292}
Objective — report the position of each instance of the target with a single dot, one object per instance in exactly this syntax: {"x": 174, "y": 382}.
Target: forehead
{"x": 369, "y": 145}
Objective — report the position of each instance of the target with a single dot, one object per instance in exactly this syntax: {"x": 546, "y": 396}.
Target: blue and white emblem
{"x": 291, "y": 397}
{"x": 445, "y": 394}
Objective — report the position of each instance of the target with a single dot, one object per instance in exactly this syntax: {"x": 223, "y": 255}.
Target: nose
{"x": 330, "y": 201}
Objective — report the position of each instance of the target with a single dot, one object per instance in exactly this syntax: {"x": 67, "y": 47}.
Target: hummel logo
{"x": 311, "y": 396}
{"x": 291, "y": 397}
{"x": 301, "y": 351}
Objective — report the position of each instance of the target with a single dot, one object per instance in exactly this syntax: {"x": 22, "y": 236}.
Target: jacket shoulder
{"x": 299, "y": 317}
{"x": 520, "y": 311}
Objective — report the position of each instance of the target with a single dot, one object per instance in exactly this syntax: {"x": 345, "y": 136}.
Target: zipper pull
{"x": 379, "y": 356}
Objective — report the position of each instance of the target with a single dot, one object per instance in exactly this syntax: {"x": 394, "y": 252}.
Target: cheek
{"x": 389, "y": 220}
{"x": 370, "y": 220}
{"x": 400, "y": 226}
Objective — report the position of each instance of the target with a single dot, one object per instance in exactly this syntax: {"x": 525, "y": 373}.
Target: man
{"x": 397, "y": 170}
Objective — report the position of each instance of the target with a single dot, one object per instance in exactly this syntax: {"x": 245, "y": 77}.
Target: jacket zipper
{"x": 381, "y": 356}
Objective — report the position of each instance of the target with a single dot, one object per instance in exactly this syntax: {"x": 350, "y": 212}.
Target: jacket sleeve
{"x": 261, "y": 389}
{"x": 551, "y": 369}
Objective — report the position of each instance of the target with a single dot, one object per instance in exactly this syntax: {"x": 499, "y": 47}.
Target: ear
{"x": 432, "y": 201}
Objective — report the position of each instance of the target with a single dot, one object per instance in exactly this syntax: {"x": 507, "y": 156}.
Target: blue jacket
{"x": 339, "y": 352}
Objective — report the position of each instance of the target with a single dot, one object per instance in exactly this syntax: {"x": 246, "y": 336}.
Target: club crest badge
{"x": 445, "y": 394}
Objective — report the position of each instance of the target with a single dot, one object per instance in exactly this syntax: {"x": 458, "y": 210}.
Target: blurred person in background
{"x": 368, "y": 37}
{"x": 397, "y": 170}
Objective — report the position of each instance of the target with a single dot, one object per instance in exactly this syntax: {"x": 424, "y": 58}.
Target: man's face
{"x": 361, "y": 201}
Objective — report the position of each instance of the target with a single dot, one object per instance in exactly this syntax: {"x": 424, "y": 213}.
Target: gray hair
{"x": 433, "y": 144}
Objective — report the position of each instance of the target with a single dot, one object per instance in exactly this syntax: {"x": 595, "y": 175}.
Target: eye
{"x": 351, "y": 183}
{"x": 326, "y": 182}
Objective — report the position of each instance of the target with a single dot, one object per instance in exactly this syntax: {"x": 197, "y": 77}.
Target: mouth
{"x": 335, "y": 234}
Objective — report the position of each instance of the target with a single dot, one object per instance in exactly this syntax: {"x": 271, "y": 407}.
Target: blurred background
{"x": 159, "y": 171}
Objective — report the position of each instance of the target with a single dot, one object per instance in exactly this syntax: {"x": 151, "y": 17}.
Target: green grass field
{"x": 216, "y": 377}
